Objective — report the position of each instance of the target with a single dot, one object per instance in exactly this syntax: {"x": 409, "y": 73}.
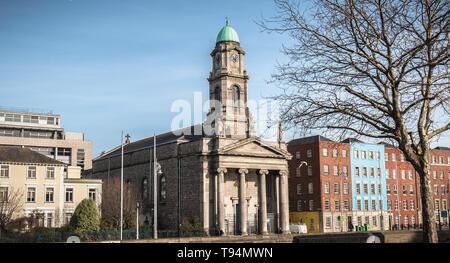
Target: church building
{"x": 220, "y": 172}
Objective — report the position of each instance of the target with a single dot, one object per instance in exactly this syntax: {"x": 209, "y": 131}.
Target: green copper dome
{"x": 227, "y": 33}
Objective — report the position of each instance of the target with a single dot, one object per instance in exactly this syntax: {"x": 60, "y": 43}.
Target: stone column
{"x": 277, "y": 203}
{"x": 263, "y": 201}
{"x": 284, "y": 206}
{"x": 220, "y": 203}
{"x": 243, "y": 201}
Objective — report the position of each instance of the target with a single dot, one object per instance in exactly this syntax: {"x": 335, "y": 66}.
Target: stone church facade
{"x": 220, "y": 172}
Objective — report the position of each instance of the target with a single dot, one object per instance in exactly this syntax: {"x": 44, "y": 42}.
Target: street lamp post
{"x": 137, "y": 220}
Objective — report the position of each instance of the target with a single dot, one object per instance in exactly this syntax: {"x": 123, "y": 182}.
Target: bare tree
{"x": 110, "y": 206}
{"x": 11, "y": 203}
{"x": 372, "y": 68}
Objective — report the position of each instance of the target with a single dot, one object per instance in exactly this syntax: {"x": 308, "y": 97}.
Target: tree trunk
{"x": 428, "y": 214}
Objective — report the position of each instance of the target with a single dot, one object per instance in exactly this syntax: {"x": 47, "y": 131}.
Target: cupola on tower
{"x": 228, "y": 83}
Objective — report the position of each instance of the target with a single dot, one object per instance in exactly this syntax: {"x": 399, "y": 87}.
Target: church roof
{"x": 227, "y": 33}
{"x": 189, "y": 133}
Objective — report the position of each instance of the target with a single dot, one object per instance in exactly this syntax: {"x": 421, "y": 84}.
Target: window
{"x": 374, "y": 220}
{"x": 31, "y": 173}
{"x": 371, "y": 155}
{"x": 402, "y": 158}
{"x": 364, "y": 172}
{"x": 395, "y": 189}
{"x": 297, "y": 155}
{"x": 311, "y": 223}
{"x": 387, "y": 174}
{"x": 310, "y": 188}
{"x": 396, "y": 205}
{"x": 80, "y": 158}
{"x": 404, "y": 191}
{"x": 50, "y": 173}
{"x": 297, "y": 172}
{"x": 372, "y": 188}
{"x": 31, "y": 194}
{"x": 337, "y": 205}
{"x": 344, "y": 170}
{"x": 358, "y": 188}
{"x": 308, "y": 153}
{"x": 374, "y": 205}
{"x": 412, "y": 205}
{"x": 442, "y": 189}
{"x": 411, "y": 189}
{"x": 444, "y": 204}
{"x": 162, "y": 188}
{"x": 326, "y": 187}
{"x": 358, "y": 204}
{"x": 311, "y": 205}
{"x": 299, "y": 189}
{"x": 49, "y": 194}
{"x": 328, "y": 222}
{"x": 406, "y": 220}
{"x": 405, "y": 205}
{"x": 363, "y": 155}
{"x": 378, "y": 172}
{"x": 386, "y": 157}
{"x": 309, "y": 170}
{"x": 336, "y": 188}
{"x": 433, "y": 159}
{"x": 413, "y": 220}
{"x": 410, "y": 177}
{"x": 335, "y": 153}
{"x": 378, "y": 155}
{"x": 3, "y": 194}
{"x": 357, "y": 171}
{"x": 346, "y": 205}
{"x": 335, "y": 170}
{"x": 365, "y": 188}
{"x": 436, "y": 204}
{"x": 441, "y": 175}
{"x": 67, "y": 218}
{"x": 372, "y": 172}
{"x": 145, "y": 188}
{"x": 325, "y": 152}
{"x": 436, "y": 190}
{"x": 4, "y": 171}
{"x": 346, "y": 188}
{"x": 236, "y": 96}
{"x": 366, "y": 204}
{"x": 380, "y": 189}
{"x": 69, "y": 195}
{"x": 344, "y": 153}
{"x": 388, "y": 189}
{"x": 394, "y": 157}
{"x": 356, "y": 154}
{"x": 434, "y": 175}
{"x": 92, "y": 193}
{"x": 403, "y": 174}
{"x": 389, "y": 204}
{"x": 217, "y": 96}
{"x": 327, "y": 205}
{"x": 394, "y": 174}
{"x": 49, "y": 219}
{"x": 299, "y": 205}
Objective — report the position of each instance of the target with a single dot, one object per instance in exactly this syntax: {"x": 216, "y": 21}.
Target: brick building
{"x": 383, "y": 188}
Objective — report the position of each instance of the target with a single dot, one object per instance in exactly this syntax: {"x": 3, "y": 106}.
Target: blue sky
{"x": 108, "y": 66}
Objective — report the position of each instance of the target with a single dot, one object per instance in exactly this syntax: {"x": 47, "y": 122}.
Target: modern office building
{"x": 42, "y": 132}
{"x": 41, "y": 188}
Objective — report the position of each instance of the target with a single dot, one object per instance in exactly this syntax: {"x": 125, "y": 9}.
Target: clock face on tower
{"x": 234, "y": 57}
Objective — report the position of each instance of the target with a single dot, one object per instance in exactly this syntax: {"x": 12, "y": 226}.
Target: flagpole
{"x": 121, "y": 189}
{"x": 155, "y": 196}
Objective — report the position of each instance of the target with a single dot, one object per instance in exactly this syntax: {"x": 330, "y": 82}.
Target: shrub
{"x": 85, "y": 217}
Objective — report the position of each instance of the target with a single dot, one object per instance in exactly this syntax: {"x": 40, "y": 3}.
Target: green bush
{"x": 85, "y": 217}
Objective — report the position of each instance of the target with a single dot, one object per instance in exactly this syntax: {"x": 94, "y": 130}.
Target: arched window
{"x": 162, "y": 188}
{"x": 236, "y": 96}
{"x": 145, "y": 188}
{"x": 217, "y": 94}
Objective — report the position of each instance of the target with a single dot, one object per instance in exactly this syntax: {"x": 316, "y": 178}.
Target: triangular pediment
{"x": 253, "y": 147}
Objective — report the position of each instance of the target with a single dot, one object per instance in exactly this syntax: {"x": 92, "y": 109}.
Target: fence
{"x": 56, "y": 236}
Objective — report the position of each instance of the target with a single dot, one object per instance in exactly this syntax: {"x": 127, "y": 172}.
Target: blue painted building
{"x": 368, "y": 177}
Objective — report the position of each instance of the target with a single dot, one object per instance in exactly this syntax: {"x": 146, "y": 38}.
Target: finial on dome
{"x": 228, "y": 20}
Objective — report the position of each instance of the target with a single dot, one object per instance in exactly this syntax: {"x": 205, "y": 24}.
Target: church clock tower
{"x": 229, "y": 115}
